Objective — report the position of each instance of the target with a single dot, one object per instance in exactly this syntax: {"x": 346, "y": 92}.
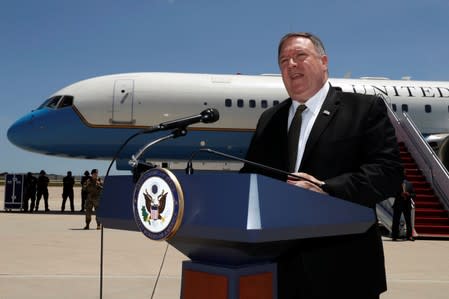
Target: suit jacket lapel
{"x": 327, "y": 112}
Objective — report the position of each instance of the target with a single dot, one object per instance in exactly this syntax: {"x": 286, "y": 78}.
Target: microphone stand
{"x": 207, "y": 116}
{"x": 139, "y": 167}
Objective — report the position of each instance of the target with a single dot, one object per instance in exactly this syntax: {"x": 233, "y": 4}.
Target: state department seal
{"x": 158, "y": 204}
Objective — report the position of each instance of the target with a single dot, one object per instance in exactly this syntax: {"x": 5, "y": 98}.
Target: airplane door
{"x": 122, "y": 102}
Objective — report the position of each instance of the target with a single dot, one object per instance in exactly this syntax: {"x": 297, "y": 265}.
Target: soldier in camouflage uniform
{"x": 94, "y": 187}
{"x": 83, "y": 190}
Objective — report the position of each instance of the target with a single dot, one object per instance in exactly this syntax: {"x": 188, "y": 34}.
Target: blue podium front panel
{"x": 234, "y": 218}
{"x": 254, "y": 208}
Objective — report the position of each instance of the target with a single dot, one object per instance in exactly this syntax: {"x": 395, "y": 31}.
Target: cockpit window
{"x": 51, "y": 102}
{"x": 66, "y": 101}
{"x": 57, "y": 102}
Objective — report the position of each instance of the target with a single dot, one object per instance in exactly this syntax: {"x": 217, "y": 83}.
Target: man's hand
{"x": 313, "y": 184}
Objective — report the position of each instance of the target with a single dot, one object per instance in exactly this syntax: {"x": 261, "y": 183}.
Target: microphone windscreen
{"x": 210, "y": 115}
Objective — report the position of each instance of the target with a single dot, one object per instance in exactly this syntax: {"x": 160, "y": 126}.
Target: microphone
{"x": 209, "y": 115}
{"x": 189, "y": 168}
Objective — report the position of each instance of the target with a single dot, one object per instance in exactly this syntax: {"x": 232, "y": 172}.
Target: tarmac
{"x": 49, "y": 255}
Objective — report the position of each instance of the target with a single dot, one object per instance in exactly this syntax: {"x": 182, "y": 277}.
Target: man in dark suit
{"x": 347, "y": 148}
{"x": 403, "y": 204}
{"x": 30, "y": 192}
{"x": 67, "y": 191}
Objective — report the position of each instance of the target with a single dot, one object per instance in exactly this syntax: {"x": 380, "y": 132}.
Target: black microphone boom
{"x": 189, "y": 168}
{"x": 209, "y": 115}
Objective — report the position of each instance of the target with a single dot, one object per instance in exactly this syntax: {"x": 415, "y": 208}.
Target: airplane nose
{"x": 18, "y": 133}
{"x": 23, "y": 132}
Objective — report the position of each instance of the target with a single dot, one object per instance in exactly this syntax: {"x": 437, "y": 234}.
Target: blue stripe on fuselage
{"x": 61, "y": 132}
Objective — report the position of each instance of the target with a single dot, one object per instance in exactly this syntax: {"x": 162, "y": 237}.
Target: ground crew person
{"x": 30, "y": 192}
{"x": 67, "y": 191}
{"x": 42, "y": 190}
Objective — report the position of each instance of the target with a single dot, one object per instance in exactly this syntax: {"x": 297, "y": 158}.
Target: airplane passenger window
{"x": 393, "y": 106}
{"x": 275, "y": 102}
{"x": 428, "y": 108}
{"x": 404, "y": 108}
{"x": 264, "y": 104}
{"x": 252, "y": 103}
{"x": 66, "y": 102}
{"x": 228, "y": 102}
{"x": 239, "y": 103}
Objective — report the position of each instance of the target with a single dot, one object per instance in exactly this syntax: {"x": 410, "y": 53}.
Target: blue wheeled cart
{"x": 14, "y": 189}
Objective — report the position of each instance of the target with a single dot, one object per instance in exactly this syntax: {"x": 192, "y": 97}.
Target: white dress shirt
{"x": 308, "y": 118}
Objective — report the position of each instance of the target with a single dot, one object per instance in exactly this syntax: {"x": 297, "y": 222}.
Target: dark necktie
{"x": 293, "y": 138}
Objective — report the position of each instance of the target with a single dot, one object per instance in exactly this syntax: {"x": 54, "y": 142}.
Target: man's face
{"x": 303, "y": 69}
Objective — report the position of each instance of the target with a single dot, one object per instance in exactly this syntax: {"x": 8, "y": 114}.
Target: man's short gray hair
{"x": 313, "y": 38}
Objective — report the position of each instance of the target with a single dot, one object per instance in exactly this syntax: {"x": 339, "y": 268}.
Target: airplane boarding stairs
{"x": 430, "y": 180}
{"x": 431, "y": 218}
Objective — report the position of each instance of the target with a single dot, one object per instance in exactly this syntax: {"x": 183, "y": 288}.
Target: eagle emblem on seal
{"x": 154, "y": 205}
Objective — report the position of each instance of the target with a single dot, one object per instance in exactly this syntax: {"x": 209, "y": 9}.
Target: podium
{"x": 235, "y": 226}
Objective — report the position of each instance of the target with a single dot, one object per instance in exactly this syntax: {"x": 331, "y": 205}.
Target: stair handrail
{"x": 426, "y": 158}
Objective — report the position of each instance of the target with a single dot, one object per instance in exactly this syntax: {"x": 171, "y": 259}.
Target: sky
{"x": 47, "y": 45}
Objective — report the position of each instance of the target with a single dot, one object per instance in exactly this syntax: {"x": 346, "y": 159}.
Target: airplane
{"x": 92, "y": 118}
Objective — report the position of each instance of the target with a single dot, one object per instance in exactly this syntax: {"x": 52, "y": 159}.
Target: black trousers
{"x": 29, "y": 196}
{"x": 68, "y": 194}
{"x": 41, "y": 193}
{"x": 398, "y": 210}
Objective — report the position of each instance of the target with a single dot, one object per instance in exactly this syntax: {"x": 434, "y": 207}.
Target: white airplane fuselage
{"x": 93, "y": 117}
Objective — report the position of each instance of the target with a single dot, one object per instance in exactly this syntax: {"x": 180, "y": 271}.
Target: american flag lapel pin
{"x": 326, "y": 112}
